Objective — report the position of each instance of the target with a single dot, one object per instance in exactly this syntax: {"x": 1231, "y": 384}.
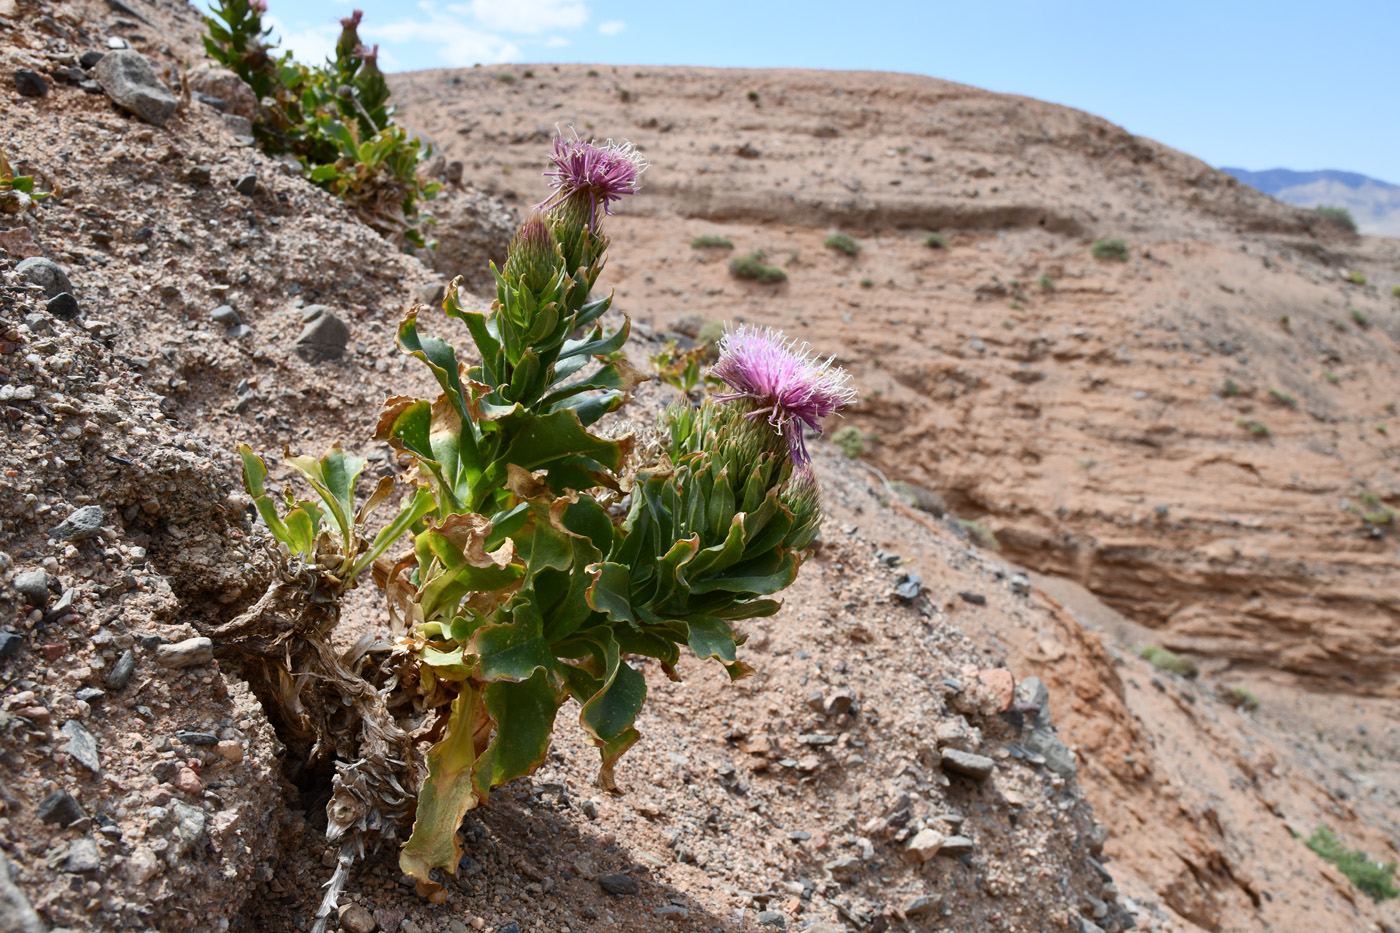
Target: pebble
{"x": 240, "y": 126}
{"x": 197, "y": 738}
{"x": 185, "y": 653}
{"x": 61, "y": 808}
{"x": 90, "y": 58}
{"x": 977, "y": 767}
{"x": 83, "y": 856}
{"x": 9, "y": 644}
{"x": 80, "y": 523}
{"x": 120, "y": 674}
{"x": 619, "y": 884}
{"x": 33, "y": 585}
{"x": 30, "y": 83}
{"x": 141, "y": 865}
{"x": 843, "y": 868}
{"x": 975, "y": 599}
{"x": 131, "y": 82}
{"x": 922, "y": 904}
{"x": 199, "y": 175}
{"x": 924, "y": 845}
{"x": 91, "y": 695}
{"x": 82, "y": 746}
{"x": 355, "y": 919}
{"x": 771, "y": 918}
{"x": 323, "y": 336}
{"x": 908, "y": 586}
{"x": 45, "y": 273}
{"x": 189, "y": 825}
{"x": 187, "y": 782}
{"x": 63, "y": 306}
{"x": 955, "y": 846}
{"x": 246, "y": 184}
{"x": 1020, "y": 584}
{"x": 225, "y": 314}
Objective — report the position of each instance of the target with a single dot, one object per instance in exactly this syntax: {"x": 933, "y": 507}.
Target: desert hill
{"x": 973, "y": 749}
{"x": 1374, "y": 204}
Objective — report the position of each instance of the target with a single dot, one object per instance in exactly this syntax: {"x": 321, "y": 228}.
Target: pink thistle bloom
{"x": 259, "y": 5}
{"x": 367, "y": 53}
{"x": 783, "y": 381}
{"x": 353, "y": 20}
{"x": 602, "y": 173}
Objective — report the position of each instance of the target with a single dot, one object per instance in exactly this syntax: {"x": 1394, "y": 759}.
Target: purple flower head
{"x": 258, "y": 5}
{"x": 367, "y": 53}
{"x": 783, "y": 381}
{"x": 603, "y": 173}
{"x": 353, "y": 20}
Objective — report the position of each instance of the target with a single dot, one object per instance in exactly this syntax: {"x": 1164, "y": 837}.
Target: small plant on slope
{"x": 754, "y": 268}
{"x": 510, "y": 585}
{"x": 1377, "y": 879}
{"x": 335, "y": 118}
{"x": 1169, "y": 661}
{"x": 842, "y": 243}
{"x": 1337, "y": 215}
{"x": 1115, "y": 249}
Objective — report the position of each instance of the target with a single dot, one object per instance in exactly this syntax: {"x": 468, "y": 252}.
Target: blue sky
{"x": 1251, "y": 84}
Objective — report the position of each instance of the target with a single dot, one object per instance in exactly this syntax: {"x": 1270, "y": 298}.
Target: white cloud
{"x": 530, "y": 16}
{"x": 310, "y": 44}
{"x": 456, "y": 44}
{"x": 612, "y": 27}
{"x": 556, "y": 42}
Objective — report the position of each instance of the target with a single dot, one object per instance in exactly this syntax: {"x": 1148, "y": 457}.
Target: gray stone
{"x": 90, "y": 58}
{"x": 209, "y": 100}
{"x": 82, "y": 746}
{"x": 925, "y": 845}
{"x": 908, "y": 585}
{"x": 246, "y": 184}
{"x": 226, "y": 315}
{"x": 61, "y": 808}
{"x": 1058, "y": 757}
{"x": 432, "y": 293}
{"x": 197, "y": 738}
{"x": 91, "y": 694}
{"x": 199, "y": 175}
{"x": 45, "y": 273}
{"x": 223, "y": 84}
{"x": 1032, "y": 696}
{"x": 323, "y": 336}
{"x": 120, "y": 674}
{"x": 63, "y": 306}
{"x": 189, "y": 825}
{"x": 83, "y": 856}
{"x": 239, "y": 125}
{"x": 9, "y": 644}
{"x": 1089, "y": 926}
{"x": 671, "y": 912}
{"x": 30, "y": 83}
{"x": 977, "y": 767}
{"x": 16, "y": 914}
{"x": 843, "y": 868}
{"x": 80, "y": 523}
{"x": 1020, "y": 584}
{"x": 355, "y": 919}
{"x": 955, "y": 845}
{"x": 185, "y": 653}
{"x": 33, "y": 585}
{"x": 131, "y": 82}
{"x": 922, "y": 904}
{"x": 771, "y": 918}
{"x": 619, "y": 884}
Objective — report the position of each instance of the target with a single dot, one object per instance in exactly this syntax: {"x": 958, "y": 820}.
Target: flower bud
{"x": 534, "y": 258}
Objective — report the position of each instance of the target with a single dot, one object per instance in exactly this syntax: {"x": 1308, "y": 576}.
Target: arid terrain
{"x": 1077, "y": 457}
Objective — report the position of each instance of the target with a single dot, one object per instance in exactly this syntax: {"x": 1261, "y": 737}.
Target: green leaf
{"x": 334, "y": 477}
{"x": 446, "y": 795}
{"x": 611, "y": 592}
{"x": 254, "y": 480}
{"x": 524, "y": 713}
{"x": 609, "y": 716}
{"x": 420, "y": 505}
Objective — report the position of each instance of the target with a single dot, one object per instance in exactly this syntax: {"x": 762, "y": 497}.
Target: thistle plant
{"x": 533, "y": 550}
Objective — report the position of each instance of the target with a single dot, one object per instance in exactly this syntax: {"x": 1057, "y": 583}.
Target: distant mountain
{"x": 1375, "y": 204}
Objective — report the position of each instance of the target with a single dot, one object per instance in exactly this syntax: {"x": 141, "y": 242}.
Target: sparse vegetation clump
{"x": 335, "y": 118}
{"x": 849, "y": 440}
{"x": 1375, "y": 511}
{"x": 1046, "y": 283}
{"x": 936, "y": 240}
{"x": 1356, "y": 277}
{"x": 1169, "y": 661}
{"x": 1359, "y": 317}
{"x": 1395, "y": 291}
{"x": 842, "y": 243}
{"x": 1337, "y": 215}
{"x": 867, "y": 283}
{"x": 1374, "y": 878}
{"x": 711, "y": 241}
{"x": 1115, "y": 249}
{"x": 1243, "y": 698}
{"x": 1283, "y": 398}
{"x": 753, "y": 268}
{"x": 1230, "y": 389}
{"x": 979, "y": 533}
{"x": 1255, "y": 428}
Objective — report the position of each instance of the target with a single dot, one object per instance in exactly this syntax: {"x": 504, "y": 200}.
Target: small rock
{"x": 61, "y": 808}
{"x": 230, "y": 751}
{"x": 226, "y": 315}
{"x": 511, "y": 927}
{"x": 9, "y": 644}
{"x": 1020, "y": 584}
{"x": 840, "y": 703}
{"x": 18, "y": 243}
{"x": 246, "y": 184}
{"x": 187, "y": 782}
{"x": 185, "y": 653}
{"x": 63, "y": 306}
{"x": 389, "y": 918}
{"x": 197, "y": 738}
{"x": 977, "y": 767}
{"x": 816, "y": 701}
{"x": 209, "y": 100}
{"x": 1057, "y": 755}
{"x": 226, "y": 87}
{"x": 91, "y": 695}
{"x": 618, "y": 884}
{"x": 922, "y": 904}
{"x": 45, "y": 273}
{"x": 842, "y": 869}
{"x": 131, "y": 82}
{"x": 189, "y": 825}
{"x": 355, "y": 919}
{"x": 82, "y": 746}
{"x": 120, "y": 674}
{"x": 975, "y": 599}
{"x": 141, "y": 865}
{"x": 33, "y": 585}
{"x": 199, "y": 175}
{"x": 908, "y": 586}
{"x": 771, "y": 918}
{"x": 431, "y": 293}
{"x": 924, "y": 845}
{"x": 117, "y": 42}
{"x": 671, "y": 912}
{"x": 954, "y": 846}
{"x": 80, "y": 523}
{"x": 83, "y": 856}
{"x": 323, "y": 337}
{"x": 90, "y": 58}
{"x": 240, "y": 126}
{"x": 30, "y": 83}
